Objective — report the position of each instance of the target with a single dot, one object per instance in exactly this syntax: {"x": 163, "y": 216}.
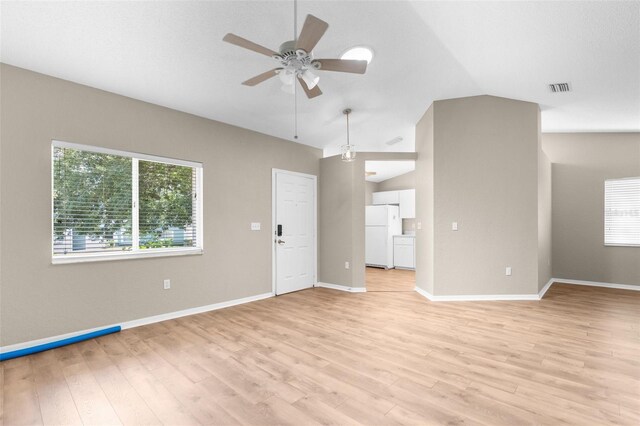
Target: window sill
{"x": 142, "y": 254}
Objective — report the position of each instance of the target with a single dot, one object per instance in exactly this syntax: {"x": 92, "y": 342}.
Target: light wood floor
{"x": 327, "y": 357}
{"x": 378, "y": 279}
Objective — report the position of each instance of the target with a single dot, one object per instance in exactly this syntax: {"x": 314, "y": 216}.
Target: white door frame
{"x": 314, "y": 178}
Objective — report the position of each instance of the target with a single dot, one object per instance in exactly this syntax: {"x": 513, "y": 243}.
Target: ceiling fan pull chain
{"x": 295, "y": 110}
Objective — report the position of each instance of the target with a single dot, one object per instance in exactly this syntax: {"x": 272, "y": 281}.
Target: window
{"x": 110, "y": 204}
{"x": 622, "y": 212}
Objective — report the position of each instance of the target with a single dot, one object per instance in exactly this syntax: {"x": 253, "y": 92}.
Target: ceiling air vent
{"x": 394, "y": 141}
{"x": 559, "y": 87}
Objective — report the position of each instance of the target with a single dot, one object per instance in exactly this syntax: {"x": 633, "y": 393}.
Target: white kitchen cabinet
{"x": 386, "y": 197}
{"x": 404, "y": 252}
{"x": 407, "y": 198}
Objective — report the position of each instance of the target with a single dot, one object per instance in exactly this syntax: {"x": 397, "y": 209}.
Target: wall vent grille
{"x": 560, "y": 87}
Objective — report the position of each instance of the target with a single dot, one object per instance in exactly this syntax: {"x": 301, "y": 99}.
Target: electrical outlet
{"x": 167, "y": 284}
{"x": 347, "y": 265}
{"x": 454, "y": 226}
{"x": 507, "y": 271}
{"x": 419, "y": 225}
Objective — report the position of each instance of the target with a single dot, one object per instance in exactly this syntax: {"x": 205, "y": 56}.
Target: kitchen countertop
{"x": 404, "y": 235}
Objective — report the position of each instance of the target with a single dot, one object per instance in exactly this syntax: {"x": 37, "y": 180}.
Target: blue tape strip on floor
{"x": 57, "y": 344}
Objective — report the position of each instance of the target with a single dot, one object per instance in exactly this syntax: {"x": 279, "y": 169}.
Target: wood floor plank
{"x": 1, "y": 395}
{"x": 324, "y": 413}
{"x": 194, "y": 397}
{"x": 163, "y": 404}
{"x": 130, "y": 407}
{"x": 92, "y": 404}
{"x": 56, "y": 403}
{"x": 21, "y": 404}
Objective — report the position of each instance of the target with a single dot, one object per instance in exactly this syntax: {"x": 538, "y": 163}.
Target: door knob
{"x": 280, "y": 242}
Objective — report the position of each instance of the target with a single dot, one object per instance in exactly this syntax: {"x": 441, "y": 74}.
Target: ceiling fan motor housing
{"x": 295, "y": 60}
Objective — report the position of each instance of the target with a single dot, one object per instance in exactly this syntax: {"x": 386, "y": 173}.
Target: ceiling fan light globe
{"x": 288, "y": 88}
{"x": 310, "y": 79}
{"x": 286, "y": 77}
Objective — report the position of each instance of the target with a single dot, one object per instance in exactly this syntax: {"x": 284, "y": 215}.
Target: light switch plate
{"x": 507, "y": 271}
{"x": 419, "y": 225}
{"x": 454, "y": 226}
{"x": 255, "y": 226}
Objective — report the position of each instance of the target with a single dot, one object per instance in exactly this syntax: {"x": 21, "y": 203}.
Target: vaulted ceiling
{"x": 172, "y": 54}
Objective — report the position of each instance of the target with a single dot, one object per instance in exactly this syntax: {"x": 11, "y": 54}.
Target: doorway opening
{"x": 390, "y": 227}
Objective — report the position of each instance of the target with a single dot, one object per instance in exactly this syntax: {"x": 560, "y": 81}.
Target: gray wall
{"x": 544, "y": 214}
{"x": 425, "y": 208}
{"x": 544, "y": 221}
{"x": 405, "y": 181}
{"x": 40, "y": 299}
{"x": 336, "y": 220}
{"x": 485, "y": 152}
{"x": 369, "y": 189}
{"x": 581, "y": 163}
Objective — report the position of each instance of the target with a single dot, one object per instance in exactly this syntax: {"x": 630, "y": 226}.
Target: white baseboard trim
{"x": 342, "y": 287}
{"x": 544, "y": 289}
{"x": 539, "y": 296}
{"x": 597, "y": 284}
{"x": 138, "y": 322}
{"x": 193, "y": 311}
{"x": 476, "y": 297}
{"x": 423, "y": 293}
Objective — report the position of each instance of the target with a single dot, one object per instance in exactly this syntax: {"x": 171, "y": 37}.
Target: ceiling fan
{"x": 296, "y": 59}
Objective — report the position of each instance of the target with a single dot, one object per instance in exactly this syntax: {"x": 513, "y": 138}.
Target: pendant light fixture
{"x": 348, "y": 150}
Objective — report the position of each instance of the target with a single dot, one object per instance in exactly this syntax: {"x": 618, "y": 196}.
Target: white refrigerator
{"x": 382, "y": 223}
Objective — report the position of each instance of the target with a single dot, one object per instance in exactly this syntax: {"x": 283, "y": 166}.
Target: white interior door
{"x": 294, "y": 231}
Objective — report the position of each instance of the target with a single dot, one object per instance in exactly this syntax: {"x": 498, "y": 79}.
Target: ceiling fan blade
{"x": 311, "y": 93}
{"x": 343, "y": 65}
{"x": 261, "y": 77}
{"x": 243, "y": 42}
{"x": 312, "y": 31}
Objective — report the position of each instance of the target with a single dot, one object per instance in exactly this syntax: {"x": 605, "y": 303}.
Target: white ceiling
{"x": 171, "y": 53}
{"x": 388, "y": 169}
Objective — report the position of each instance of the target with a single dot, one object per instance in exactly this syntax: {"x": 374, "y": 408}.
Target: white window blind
{"x": 110, "y": 204}
{"x": 622, "y": 212}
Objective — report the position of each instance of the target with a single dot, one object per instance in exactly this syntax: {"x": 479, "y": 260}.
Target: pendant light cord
{"x": 348, "y": 143}
{"x": 295, "y": 20}
{"x": 295, "y": 77}
{"x": 295, "y": 109}
{"x": 347, "y": 112}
